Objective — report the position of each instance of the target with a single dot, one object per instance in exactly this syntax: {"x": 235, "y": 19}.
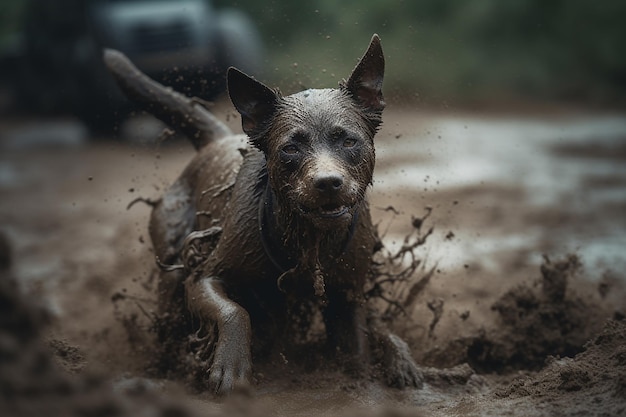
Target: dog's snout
{"x": 328, "y": 182}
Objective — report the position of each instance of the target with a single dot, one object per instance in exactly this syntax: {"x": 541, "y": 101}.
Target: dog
{"x": 281, "y": 211}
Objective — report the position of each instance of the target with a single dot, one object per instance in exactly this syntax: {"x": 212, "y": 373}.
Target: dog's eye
{"x": 290, "y": 149}
{"x": 349, "y": 142}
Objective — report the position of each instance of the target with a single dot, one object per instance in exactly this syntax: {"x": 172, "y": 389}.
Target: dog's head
{"x": 318, "y": 143}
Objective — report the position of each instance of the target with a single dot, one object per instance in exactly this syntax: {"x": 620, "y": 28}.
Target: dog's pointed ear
{"x": 366, "y": 81}
{"x": 255, "y": 101}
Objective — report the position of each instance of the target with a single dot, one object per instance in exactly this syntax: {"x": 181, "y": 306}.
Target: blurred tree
{"x": 10, "y": 17}
{"x": 541, "y": 48}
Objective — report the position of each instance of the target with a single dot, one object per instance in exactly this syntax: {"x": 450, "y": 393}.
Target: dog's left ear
{"x": 255, "y": 101}
{"x": 366, "y": 81}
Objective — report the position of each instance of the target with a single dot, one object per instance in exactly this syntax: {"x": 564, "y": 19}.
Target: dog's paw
{"x": 231, "y": 369}
{"x": 400, "y": 369}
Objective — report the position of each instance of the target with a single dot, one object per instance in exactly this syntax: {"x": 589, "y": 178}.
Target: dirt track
{"x": 511, "y": 338}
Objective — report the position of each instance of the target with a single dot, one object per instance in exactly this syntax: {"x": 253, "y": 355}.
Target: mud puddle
{"x": 503, "y": 193}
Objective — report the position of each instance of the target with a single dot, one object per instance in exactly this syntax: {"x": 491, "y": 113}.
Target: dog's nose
{"x": 328, "y": 182}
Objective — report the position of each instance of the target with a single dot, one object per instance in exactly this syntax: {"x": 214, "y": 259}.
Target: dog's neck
{"x": 294, "y": 244}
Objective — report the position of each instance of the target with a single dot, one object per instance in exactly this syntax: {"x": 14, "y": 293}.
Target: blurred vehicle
{"x": 186, "y": 44}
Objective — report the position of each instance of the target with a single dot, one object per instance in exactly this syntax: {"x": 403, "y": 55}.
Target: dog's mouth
{"x": 327, "y": 211}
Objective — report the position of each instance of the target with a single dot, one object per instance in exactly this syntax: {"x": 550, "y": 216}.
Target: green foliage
{"x": 437, "y": 49}
{"x": 10, "y": 17}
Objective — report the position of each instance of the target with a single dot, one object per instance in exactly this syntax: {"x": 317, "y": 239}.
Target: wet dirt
{"x": 499, "y": 328}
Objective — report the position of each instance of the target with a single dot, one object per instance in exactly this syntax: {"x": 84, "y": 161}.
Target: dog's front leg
{"x": 232, "y": 362}
{"x": 346, "y": 329}
{"x": 398, "y": 366}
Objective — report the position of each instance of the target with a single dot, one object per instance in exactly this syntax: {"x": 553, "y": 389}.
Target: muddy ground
{"x": 523, "y": 314}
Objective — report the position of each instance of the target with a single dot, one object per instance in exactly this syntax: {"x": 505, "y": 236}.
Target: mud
{"x": 595, "y": 377}
{"x": 39, "y": 378}
{"x": 535, "y": 320}
{"x": 499, "y": 329}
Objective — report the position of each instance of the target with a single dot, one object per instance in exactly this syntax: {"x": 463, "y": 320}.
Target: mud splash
{"x": 535, "y": 321}
{"x": 177, "y": 347}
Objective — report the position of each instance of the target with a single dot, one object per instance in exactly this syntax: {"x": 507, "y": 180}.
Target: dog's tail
{"x": 178, "y": 111}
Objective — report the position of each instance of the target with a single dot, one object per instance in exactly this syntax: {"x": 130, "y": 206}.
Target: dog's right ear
{"x": 255, "y": 101}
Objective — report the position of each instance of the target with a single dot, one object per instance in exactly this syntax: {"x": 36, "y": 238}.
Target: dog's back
{"x": 198, "y": 198}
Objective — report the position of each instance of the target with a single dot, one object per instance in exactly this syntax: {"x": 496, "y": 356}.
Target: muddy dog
{"x": 284, "y": 212}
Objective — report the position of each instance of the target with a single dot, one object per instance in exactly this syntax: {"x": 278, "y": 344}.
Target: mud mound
{"x": 535, "y": 322}
{"x": 68, "y": 357}
{"x": 596, "y": 375}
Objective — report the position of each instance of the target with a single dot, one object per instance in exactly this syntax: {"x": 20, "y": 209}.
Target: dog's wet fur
{"x": 281, "y": 213}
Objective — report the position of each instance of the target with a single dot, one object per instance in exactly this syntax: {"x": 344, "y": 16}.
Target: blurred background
{"x": 51, "y": 52}
{"x": 441, "y": 52}
{"x": 453, "y": 50}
